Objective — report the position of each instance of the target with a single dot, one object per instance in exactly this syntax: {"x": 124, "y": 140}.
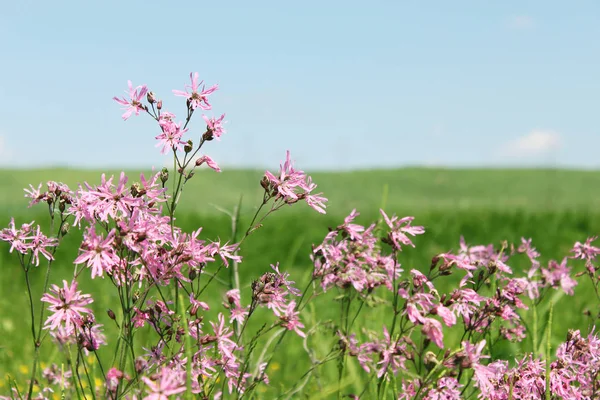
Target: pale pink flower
{"x": 67, "y": 305}
{"x": 167, "y": 383}
{"x": 399, "y": 229}
{"x": 209, "y": 161}
{"x": 214, "y": 126}
{"x": 98, "y": 253}
{"x": 290, "y": 319}
{"x": 134, "y": 104}
{"x": 197, "y": 98}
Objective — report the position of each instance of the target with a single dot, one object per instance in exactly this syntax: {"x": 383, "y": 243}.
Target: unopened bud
{"x": 159, "y": 105}
{"x": 164, "y": 175}
{"x": 192, "y": 274}
{"x": 150, "y": 97}
{"x": 64, "y": 229}
{"x": 61, "y": 206}
{"x": 208, "y": 135}
{"x": 434, "y": 262}
{"x": 111, "y": 314}
{"x": 265, "y": 183}
{"x": 140, "y": 365}
{"x": 430, "y": 360}
{"x": 188, "y": 147}
{"x": 189, "y": 175}
{"x": 135, "y": 190}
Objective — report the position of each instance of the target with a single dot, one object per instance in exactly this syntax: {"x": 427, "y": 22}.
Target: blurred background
{"x": 478, "y": 118}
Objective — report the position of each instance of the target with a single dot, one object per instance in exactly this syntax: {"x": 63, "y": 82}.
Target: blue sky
{"x": 343, "y": 85}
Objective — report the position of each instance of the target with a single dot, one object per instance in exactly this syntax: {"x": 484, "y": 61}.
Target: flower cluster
{"x": 160, "y": 275}
{"x": 351, "y": 257}
{"x": 29, "y": 240}
{"x": 291, "y": 186}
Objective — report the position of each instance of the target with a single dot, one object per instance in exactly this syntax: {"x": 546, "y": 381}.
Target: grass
{"x": 555, "y": 207}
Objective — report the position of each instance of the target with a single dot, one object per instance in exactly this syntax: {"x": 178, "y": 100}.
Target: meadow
{"x": 554, "y": 207}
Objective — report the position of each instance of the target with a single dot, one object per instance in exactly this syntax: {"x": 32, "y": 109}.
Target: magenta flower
{"x": 67, "y": 305}
{"x": 134, "y": 104}
{"x": 168, "y": 383}
{"x": 197, "y": 99}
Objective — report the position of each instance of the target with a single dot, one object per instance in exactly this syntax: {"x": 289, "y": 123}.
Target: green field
{"x": 554, "y": 207}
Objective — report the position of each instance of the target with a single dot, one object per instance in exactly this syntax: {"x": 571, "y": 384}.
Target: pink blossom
{"x": 134, "y": 104}
{"x": 98, "y": 253}
{"x": 209, "y": 161}
{"x": 170, "y": 137}
{"x": 432, "y": 328}
{"x": 197, "y": 98}
{"x": 67, "y": 305}
{"x": 214, "y": 126}
{"x": 165, "y": 384}
{"x": 290, "y": 319}
{"x": 399, "y": 229}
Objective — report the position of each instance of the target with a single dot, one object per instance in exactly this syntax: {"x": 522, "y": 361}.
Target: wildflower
{"x": 290, "y": 319}
{"x": 134, "y": 104}
{"x": 197, "y": 98}
{"x": 98, "y": 253}
{"x": 67, "y": 305}
{"x": 400, "y": 228}
{"x": 209, "y": 161}
{"x": 165, "y": 384}
{"x": 214, "y": 127}
{"x": 170, "y": 137}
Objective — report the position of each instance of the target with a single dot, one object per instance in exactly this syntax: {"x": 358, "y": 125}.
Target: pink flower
{"x": 196, "y": 304}
{"x": 447, "y": 316}
{"x": 432, "y": 328}
{"x": 134, "y": 104}
{"x": 209, "y": 161}
{"x": 214, "y": 126}
{"x": 168, "y": 383}
{"x": 67, "y": 304}
{"x": 399, "y": 228}
{"x": 290, "y": 319}
{"x": 98, "y": 253}
{"x": 170, "y": 137}
{"x": 197, "y": 99}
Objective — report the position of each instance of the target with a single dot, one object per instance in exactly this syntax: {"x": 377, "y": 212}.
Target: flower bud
{"x": 140, "y": 364}
{"x": 159, "y": 105}
{"x": 64, "y": 229}
{"x": 150, "y": 97}
{"x": 265, "y": 183}
{"x": 111, "y": 314}
{"x": 188, "y": 147}
{"x": 192, "y": 274}
{"x": 208, "y": 135}
{"x": 164, "y": 175}
{"x": 61, "y": 206}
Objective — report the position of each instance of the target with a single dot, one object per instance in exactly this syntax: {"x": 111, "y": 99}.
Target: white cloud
{"x": 521, "y": 22}
{"x": 535, "y": 143}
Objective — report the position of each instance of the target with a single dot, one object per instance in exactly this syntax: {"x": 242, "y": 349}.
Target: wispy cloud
{"x": 521, "y": 22}
{"x": 535, "y": 143}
